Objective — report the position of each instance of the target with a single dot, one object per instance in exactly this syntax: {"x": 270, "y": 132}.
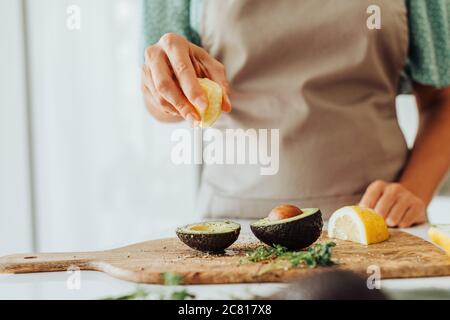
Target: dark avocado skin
{"x": 294, "y": 235}
{"x": 330, "y": 285}
{"x": 209, "y": 242}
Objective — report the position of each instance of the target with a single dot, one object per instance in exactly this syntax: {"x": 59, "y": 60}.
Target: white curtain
{"x": 103, "y": 171}
{"x": 15, "y": 206}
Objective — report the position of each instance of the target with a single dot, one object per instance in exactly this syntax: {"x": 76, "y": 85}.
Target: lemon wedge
{"x": 213, "y": 93}
{"x": 357, "y": 224}
{"x": 440, "y": 235}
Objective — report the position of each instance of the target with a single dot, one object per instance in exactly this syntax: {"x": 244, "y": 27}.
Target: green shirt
{"x": 429, "y": 35}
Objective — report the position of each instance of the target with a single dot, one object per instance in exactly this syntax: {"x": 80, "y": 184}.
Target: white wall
{"x": 104, "y": 174}
{"x": 408, "y": 117}
{"x": 15, "y": 213}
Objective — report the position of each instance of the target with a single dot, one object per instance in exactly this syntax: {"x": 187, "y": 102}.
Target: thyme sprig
{"x": 316, "y": 255}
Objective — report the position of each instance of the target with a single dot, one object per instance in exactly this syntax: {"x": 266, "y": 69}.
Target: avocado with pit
{"x": 210, "y": 236}
{"x": 289, "y": 227}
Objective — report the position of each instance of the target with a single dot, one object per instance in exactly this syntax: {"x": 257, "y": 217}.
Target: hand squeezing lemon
{"x": 214, "y": 95}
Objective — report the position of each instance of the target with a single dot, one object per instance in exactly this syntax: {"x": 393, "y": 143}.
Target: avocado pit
{"x": 284, "y": 211}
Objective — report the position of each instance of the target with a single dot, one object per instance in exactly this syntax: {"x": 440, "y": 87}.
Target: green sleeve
{"x": 429, "y": 32}
{"x": 162, "y": 16}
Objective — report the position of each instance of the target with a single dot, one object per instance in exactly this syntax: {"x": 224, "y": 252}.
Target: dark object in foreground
{"x": 330, "y": 285}
{"x": 294, "y": 233}
{"x": 211, "y": 236}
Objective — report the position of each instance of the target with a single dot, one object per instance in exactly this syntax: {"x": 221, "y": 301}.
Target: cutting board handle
{"x": 44, "y": 262}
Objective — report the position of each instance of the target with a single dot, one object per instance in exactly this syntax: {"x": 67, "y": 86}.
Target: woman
{"x": 317, "y": 72}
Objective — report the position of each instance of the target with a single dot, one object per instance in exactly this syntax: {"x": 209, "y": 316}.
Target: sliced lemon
{"x": 213, "y": 93}
{"x": 357, "y": 224}
{"x": 440, "y": 235}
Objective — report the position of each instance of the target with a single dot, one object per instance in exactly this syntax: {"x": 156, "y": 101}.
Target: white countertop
{"x": 96, "y": 285}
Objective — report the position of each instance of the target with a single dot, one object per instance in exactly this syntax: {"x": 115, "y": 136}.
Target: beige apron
{"x": 313, "y": 70}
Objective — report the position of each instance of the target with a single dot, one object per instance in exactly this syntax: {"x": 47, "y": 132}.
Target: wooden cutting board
{"x": 402, "y": 256}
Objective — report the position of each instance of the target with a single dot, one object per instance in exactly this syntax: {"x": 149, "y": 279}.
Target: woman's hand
{"x": 398, "y": 206}
{"x": 404, "y": 204}
{"x": 169, "y": 79}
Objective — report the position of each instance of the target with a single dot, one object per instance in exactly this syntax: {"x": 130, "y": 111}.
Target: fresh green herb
{"x": 182, "y": 295}
{"x": 171, "y": 278}
{"x": 317, "y": 255}
{"x": 139, "y": 293}
{"x": 263, "y": 253}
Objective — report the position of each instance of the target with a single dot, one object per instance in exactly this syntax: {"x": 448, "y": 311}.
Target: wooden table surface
{"x": 95, "y": 285}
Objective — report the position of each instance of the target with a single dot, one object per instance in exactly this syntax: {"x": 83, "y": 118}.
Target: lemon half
{"x": 440, "y": 235}
{"x": 214, "y": 94}
{"x": 357, "y": 224}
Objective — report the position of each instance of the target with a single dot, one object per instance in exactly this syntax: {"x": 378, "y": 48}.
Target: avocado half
{"x": 294, "y": 233}
{"x": 210, "y": 236}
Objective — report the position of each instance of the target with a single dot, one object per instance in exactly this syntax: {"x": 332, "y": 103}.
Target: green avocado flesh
{"x": 293, "y": 233}
{"x": 211, "y": 236}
